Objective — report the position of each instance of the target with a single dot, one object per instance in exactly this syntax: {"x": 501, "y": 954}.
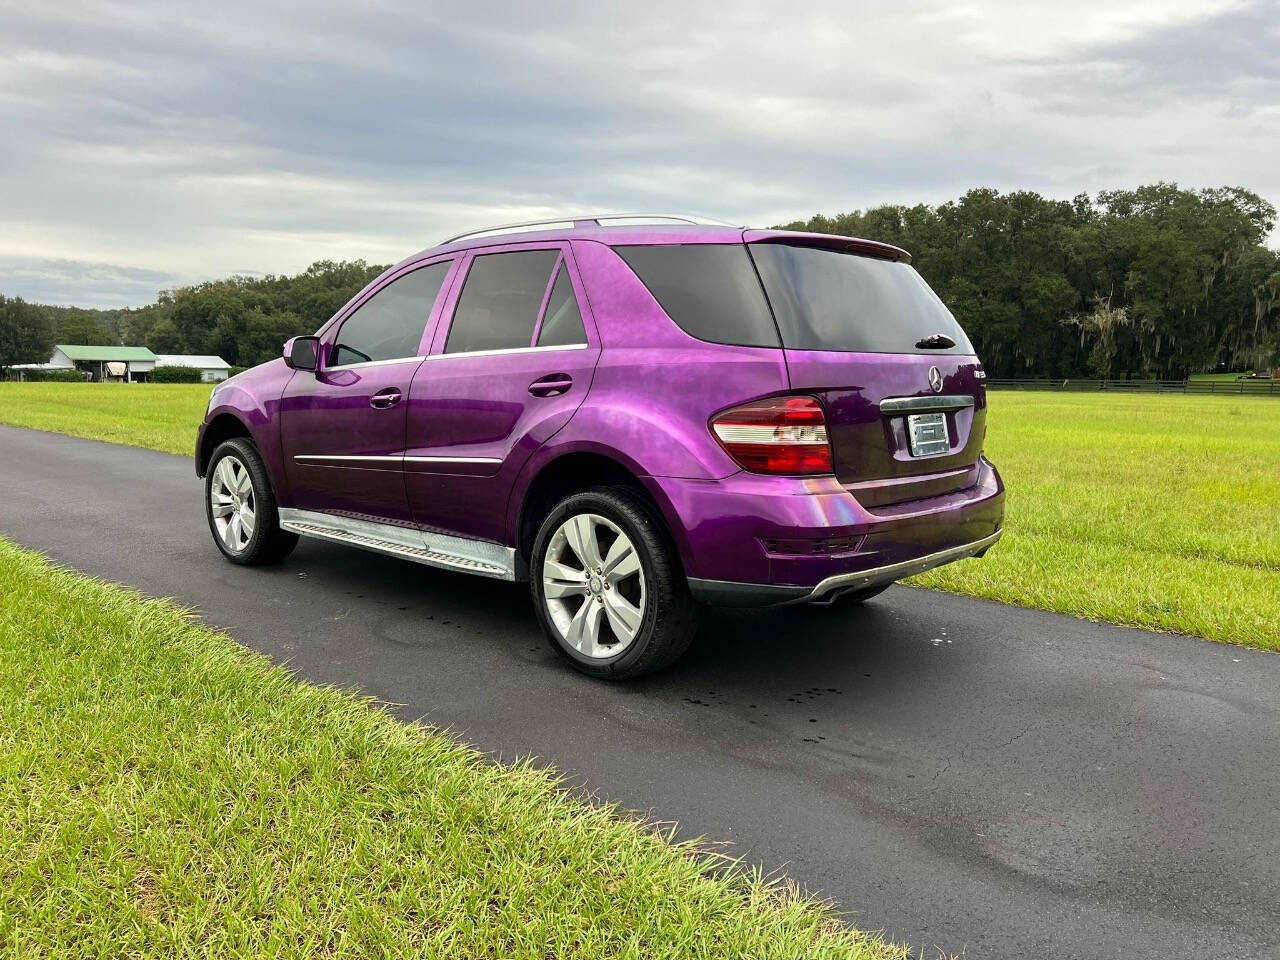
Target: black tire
{"x": 268, "y": 543}
{"x": 670, "y": 614}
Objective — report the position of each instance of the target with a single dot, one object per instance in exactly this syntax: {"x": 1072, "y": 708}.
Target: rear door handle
{"x": 383, "y": 399}
{"x": 552, "y": 385}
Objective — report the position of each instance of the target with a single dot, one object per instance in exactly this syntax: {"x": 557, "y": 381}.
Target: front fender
{"x": 254, "y": 403}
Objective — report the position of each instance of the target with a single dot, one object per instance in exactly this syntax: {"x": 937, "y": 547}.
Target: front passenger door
{"x": 343, "y": 427}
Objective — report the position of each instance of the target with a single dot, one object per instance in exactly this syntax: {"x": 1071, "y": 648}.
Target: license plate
{"x": 927, "y": 434}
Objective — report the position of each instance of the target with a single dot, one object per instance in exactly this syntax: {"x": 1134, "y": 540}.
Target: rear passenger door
{"x": 512, "y": 360}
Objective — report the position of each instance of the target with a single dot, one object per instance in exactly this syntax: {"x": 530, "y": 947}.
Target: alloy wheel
{"x": 232, "y": 503}
{"x": 593, "y": 585}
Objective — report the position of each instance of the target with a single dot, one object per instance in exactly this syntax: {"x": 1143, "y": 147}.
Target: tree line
{"x": 244, "y": 320}
{"x": 1153, "y": 282}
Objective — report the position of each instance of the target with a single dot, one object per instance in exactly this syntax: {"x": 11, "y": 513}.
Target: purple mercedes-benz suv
{"x": 635, "y": 414}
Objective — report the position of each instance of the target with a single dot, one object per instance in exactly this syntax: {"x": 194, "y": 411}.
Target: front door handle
{"x": 552, "y": 385}
{"x": 383, "y": 399}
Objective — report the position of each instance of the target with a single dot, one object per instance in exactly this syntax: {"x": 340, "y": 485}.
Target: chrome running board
{"x": 433, "y": 549}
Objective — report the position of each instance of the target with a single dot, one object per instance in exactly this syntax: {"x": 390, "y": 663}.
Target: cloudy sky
{"x": 145, "y": 144}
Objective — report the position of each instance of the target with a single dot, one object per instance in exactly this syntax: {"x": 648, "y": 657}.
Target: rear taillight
{"x": 778, "y": 435}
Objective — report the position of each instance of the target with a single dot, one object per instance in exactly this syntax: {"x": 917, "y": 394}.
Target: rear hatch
{"x": 902, "y": 389}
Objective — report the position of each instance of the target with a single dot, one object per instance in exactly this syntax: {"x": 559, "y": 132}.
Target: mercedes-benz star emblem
{"x": 935, "y": 379}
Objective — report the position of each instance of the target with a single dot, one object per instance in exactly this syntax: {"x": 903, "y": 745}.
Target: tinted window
{"x": 830, "y": 300}
{"x": 389, "y": 324}
{"x": 562, "y": 323}
{"x": 710, "y": 290}
{"x": 500, "y": 301}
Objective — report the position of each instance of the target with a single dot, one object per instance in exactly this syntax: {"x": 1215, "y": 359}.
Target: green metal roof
{"x": 109, "y": 354}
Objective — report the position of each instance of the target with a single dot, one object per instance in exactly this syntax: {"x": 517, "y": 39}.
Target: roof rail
{"x": 603, "y": 219}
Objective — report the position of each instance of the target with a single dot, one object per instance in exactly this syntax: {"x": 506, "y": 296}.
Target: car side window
{"x": 389, "y": 325}
{"x": 562, "y": 322}
{"x": 500, "y": 301}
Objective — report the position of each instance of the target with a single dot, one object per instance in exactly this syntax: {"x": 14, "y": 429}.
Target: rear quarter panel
{"x": 654, "y": 390}
{"x": 656, "y": 387}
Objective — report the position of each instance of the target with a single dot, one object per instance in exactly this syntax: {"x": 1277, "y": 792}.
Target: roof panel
{"x": 203, "y": 361}
{"x": 92, "y": 354}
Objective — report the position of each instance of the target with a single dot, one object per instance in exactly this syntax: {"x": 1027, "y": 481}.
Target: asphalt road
{"x": 959, "y": 774}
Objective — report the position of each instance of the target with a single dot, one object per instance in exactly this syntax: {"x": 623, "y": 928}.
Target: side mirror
{"x": 302, "y": 353}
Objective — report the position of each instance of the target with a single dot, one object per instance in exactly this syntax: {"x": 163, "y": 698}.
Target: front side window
{"x": 500, "y": 301}
{"x": 389, "y": 325}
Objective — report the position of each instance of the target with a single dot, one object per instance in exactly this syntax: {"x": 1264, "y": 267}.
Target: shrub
{"x": 232, "y": 371}
{"x": 48, "y": 376}
{"x": 176, "y": 375}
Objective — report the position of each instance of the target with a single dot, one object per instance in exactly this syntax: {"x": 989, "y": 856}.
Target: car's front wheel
{"x": 241, "y": 506}
{"x": 608, "y": 587}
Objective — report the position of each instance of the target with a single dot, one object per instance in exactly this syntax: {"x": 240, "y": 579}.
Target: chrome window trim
{"x": 508, "y": 350}
{"x": 372, "y": 363}
{"x": 924, "y": 404}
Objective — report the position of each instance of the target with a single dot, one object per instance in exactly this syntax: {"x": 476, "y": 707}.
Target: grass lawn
{"x": 1217, "y": 377}
{"x": 161, "y": 416}
{"x": 1151, "y": 511}
{"x": 165, "y": 793}
{"x": 1158, "y": 511}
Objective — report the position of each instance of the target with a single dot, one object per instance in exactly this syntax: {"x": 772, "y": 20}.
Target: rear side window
{"x": 500, "y": 301}
{"x": 389, "y": 325}
{"x": 562, "y": 323}
{"x": 710, "y": 290}
{"x": 831, "y": 300}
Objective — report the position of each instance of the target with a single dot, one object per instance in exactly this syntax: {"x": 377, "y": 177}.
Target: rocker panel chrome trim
{"x": 480, "y": 557}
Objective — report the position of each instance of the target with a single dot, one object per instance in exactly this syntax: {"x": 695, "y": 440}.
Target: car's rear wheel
{"x": 608, "y": 587}
{"x": 241, "y": 506}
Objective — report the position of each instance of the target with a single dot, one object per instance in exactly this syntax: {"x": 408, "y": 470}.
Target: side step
{"x": 480, "y": 557}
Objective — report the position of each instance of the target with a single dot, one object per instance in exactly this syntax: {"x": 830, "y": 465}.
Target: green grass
{"x": 166, "y": 793}
{"x": 1151, "y": 511}
{"x": 1217, "y": 377}
{"x": 160, "y": 416}
{"x": 1145, "y": 510}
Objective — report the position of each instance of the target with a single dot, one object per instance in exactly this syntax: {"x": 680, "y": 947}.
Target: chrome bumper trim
{"x": 896, "y": 571}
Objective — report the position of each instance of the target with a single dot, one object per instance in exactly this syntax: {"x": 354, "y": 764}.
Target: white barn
{"x": 97, "y": 363}
{"x": 212, "y": 369}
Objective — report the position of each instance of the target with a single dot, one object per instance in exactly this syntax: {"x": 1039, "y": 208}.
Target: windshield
{"x": 832, "y": 300}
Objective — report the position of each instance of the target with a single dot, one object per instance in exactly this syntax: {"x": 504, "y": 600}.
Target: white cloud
{"x": 199, "y": 140}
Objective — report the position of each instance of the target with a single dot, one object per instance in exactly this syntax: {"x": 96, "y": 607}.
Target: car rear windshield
{"x": 832, "y": 300}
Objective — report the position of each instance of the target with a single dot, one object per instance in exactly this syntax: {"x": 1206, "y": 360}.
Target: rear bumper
{"x": 729, "y": 593}
{"x": 752, "y": 540}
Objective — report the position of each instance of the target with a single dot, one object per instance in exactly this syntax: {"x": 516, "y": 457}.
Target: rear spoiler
{"x": 828, "y": 241}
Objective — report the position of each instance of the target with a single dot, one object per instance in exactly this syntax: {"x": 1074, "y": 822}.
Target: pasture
{"x": 1156, "y": 511}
